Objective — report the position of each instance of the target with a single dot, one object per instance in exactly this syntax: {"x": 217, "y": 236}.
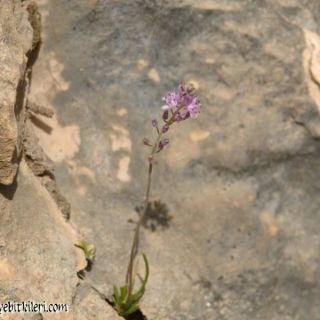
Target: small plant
{"x": 88, "y": 250}
{"x": 126, "y": 304}
{"x": 179, "y": 106}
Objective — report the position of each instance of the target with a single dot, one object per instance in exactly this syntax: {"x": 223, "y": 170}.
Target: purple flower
{"x": 194, "y": 107}
{"x": 184, "y": 100}
{"x": 172, "y": 100}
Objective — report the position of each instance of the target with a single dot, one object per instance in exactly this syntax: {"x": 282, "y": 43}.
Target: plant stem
{"x": 135, "y": 242}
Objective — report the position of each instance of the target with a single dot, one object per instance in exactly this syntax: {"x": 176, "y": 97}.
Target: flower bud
{"x": 162, "y": 144}
{"x": 154, "y": 123}
{"x": 147, "y": 142}
{"x": 186, "y": 116}
{"x": 178, "y": 118}
{"x": 165, "y": 115}
{"x": 190, "y": 88}
{"x": 165, "y": 128}
{"x": 165, "y": 141}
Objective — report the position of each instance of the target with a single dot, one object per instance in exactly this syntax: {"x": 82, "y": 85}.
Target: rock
{"x": 43, "y": 168}
{"x": 38, "y": 259}
{"x": 89, "y": 305}
{"x": 16, "y": 41}
{"x": 241, "y": 182}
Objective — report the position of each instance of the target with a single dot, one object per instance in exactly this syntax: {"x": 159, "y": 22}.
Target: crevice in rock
{"x": 35, "y": 21}
{"x": 75, "y": 293}
{"x": 13, "y": 125}
{"x": 43, "y": 168}
{"x": 81, "y": 274}
{"x": 8, "y": 191}
{"x": 38, "y": 162}
{"x": 32, "y": 55}
{"x": 137, "y": 315}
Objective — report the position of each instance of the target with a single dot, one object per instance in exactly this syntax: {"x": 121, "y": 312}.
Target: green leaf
{"x": 116, "y": 295}
{"x": 129, "y": 311}
{"x": 124, "y": 304}
{"x": 145, "y": 280}
{"x": 136, "y": 297}
{"x": 88, "y": 249}
{"x": 124, "y": 292}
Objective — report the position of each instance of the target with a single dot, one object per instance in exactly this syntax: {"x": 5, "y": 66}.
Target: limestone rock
{"x": 38, "y": 259}
{"x": 16, "y": 40}
{"x": 241, "y": 182}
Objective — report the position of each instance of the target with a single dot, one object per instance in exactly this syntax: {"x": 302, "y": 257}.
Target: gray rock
{"x": 241, "y": 183}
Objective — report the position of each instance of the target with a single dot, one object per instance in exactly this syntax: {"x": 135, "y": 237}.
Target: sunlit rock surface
{"x": 241, "y": 182}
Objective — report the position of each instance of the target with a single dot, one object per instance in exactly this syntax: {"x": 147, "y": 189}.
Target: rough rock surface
{"x": 38, "y": 259}
{"x": 241, "y": 183}
{"x": 16, "y": 40}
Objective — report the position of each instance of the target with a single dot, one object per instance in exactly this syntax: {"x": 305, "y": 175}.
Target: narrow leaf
{"x": 129, "y": 311}
{"x": 139, "y": 294}
{"x": 116, "y": 295}
{"x": 124, "y": 292}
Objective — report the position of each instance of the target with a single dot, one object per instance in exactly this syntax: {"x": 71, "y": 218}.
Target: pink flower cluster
{"x": 183, "y": 100}
{"x": 179, "y": 105}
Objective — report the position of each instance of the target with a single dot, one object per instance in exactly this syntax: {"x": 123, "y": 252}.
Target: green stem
{"x": 135, "y": 242}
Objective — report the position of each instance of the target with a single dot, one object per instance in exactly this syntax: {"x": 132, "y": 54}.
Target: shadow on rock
{"x": 9, "y": 191}
{"x": 156, "y": 216}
